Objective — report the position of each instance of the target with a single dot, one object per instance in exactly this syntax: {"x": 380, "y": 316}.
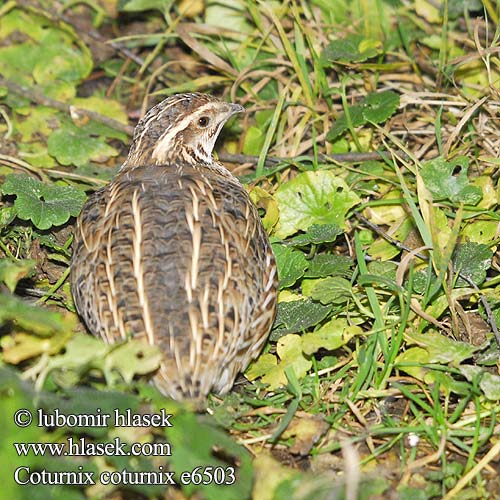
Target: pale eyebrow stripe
{"x": 165, "y": 140}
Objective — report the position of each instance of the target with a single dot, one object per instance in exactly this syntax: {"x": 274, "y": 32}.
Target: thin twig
{"x": 71, "y": 175}
{"x": 375, "y": 228}
{"x": 486, "y": 305}
{"x": 17, "y": 163}
{"x": 273, "y": 160}
{"x": 37, "y": 97}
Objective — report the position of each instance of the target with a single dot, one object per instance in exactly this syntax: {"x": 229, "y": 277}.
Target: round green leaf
{"x": 353, "y": 48}
{"x": 313, "y": 198}
{"x": 45, "y": 205}
{"x": 291, "y": 264}
{"x": 73, "y": 146}
{"x": 448, "y": 180}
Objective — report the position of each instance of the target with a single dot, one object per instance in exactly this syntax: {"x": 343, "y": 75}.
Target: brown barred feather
{"x": 173, "y": 251}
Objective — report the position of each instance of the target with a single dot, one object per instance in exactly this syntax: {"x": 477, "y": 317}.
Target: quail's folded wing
{"x": 185, "y": 264}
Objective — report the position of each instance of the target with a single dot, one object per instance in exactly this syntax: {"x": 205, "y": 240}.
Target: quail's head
{"x": 184, "y": 126}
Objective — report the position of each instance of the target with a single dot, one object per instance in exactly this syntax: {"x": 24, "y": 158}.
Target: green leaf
{"x": 472, "y": 260}
{"x": 198, "y": 443}
{"x": 32, "y": 319}
{"x": 325, "y": 264}
{"x": 376, "y": 107}
{"x": 80, "y": 352}
{"x": 412, "y": 361}
{"x": 442, "y": 349}
{"x": 353, "y": 48}
{"x": 384, "y": 269}
{"x": 58, "y": 59}
{"x": 490, "y": 385}
{"x": 330, "y": 336}
{"x": 289, "y": 349}
{"x": 341, "y": 124}
{"x": 7, "y": 215}
{"x": 317, "y": 234}
{"x": 51, "y": 330}
{"x": 142, "y": 5}
{"x": 480, "y": 231}
{"x": 379, "y": 106}
{"x": 263, "y": 200}
{"x": 491, "y": 355}
{"x": 262, "y": 365}
{"x": 21, "y": 346}
{"x": 488, "y": 382}
{"x": 41, "y": 52}
{"x": 134, "y": 357}
{"x": 105, "y": 107}
{"x": 20, "y": 20}
{"x": 11, "y": 271}
{"x": 45, "y": 205}
{"x": 291, "y": 264}
{"x": 385, "y": 250}
{"x": 334, "y": 290}
{"x": 94, "y": 171}
{"x": 319, "y": 197}
{"x": 17, "y": 394}
{"x": 290, "y": 352}
{"x": 130, "y": 358}
{"x": 34, "y": 122}
{"x": 225, "y": 13}
{"x": 254, "y": 140}
{"x": 297, "y": 316}
{"x": 368, "y": 175}
{"x": 37, "y": 153}
{"x": 448, "y": 180}
{"x": 74, "y": 145}
{"x": 456, "y": 8}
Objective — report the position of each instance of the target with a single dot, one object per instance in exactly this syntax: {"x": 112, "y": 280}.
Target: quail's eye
{"x": 204, "y": 121}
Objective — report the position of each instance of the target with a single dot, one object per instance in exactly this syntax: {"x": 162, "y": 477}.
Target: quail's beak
{"x": 234, "y": 109}
{"x": 237, "y": 108}
{"x": 227, "y": 111}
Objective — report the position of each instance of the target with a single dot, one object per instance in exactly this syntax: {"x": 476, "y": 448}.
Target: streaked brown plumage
{"x": 173, "y": 251}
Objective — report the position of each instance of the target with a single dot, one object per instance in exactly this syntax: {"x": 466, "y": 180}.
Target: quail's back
{"x": 173, "y": 251}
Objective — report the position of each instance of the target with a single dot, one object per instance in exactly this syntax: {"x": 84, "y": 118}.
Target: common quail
{"x": 173, "y": 251}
